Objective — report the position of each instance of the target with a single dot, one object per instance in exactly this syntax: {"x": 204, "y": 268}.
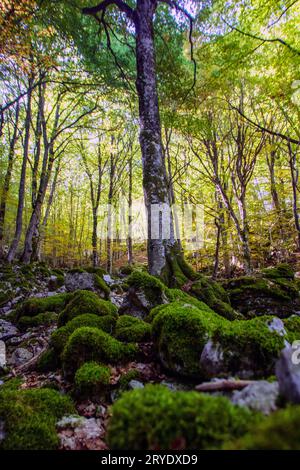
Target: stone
{"x": 258, "y": 396}
{"x": 82, "y": 281}
{"x": 108, "y": 279}
{"x": 288, "y": 373}
{"x": 212, "y": 359}
{"x": 7, "y": 329}
{"x": 133, "y": 384}
{"x": 276, "y": 324}
{"x": 79, "y": 433}
{"x": 20, "y": 356}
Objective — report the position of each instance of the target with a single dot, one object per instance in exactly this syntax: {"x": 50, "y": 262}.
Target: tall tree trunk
{"x": 109, "y": 243}
{"x": 130, "y": 218}
{"x": 19, "y": 218}
{"x": 162, "y": 253}
{"x": 295, "y": 179}
{"x": 94, "y": 237}
{"x": 7, "y": 177}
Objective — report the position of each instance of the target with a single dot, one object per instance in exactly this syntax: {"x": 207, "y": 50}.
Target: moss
{"x": 215, "y": 296}
{"x": 48, "y": 361}
{"x": 5, "y": 297}
{"x": 98, "y": 271}
{"x": 91, "y": 344}
{"x": 57, "y": 272}
{"x": 280, "y": 431}
{"x": 152, "y": 287}
{"x": 76, "y": 270}
{"x": 292, "y": 326}
{"x": 30, "y": 416}
{"x": 180, "y": 333}
{"x": 60, "y": 336}
{"x": 246, "y": 343}
{"x": 34, "y": 306}
{"x": 156, "y": 418}
{"x": 101, "y": 284}
{"x": 91, "y": 379}
{"x": 59, "y": 339}
{"x": 11, "y": 384}
{"x": 83, "y": 301}
{"x": 131, "y": 329}
{"x": 132, "y": 374}
{"x": 46, "y": 319}
{"x": 26, "y": 269}
{"x": 126, "y": 269}
{"x": 283, "y": 270}
{"x": 246, "y": 285}
{"x": 57, "y": 282}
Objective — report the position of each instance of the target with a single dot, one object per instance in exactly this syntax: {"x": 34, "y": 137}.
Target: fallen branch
{"x": 223, "y": 385}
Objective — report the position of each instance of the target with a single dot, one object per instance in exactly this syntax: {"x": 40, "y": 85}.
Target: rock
{"x": 20, "y": 356}
{"x": 212, "y": 359}
{"x": 288, "y": 373}
{"x": 259, "y": 396}
{"x": 7, "y": 329}
{"x": 79, "y": 433}
{"x": 85, "y": 281}
{"x": 2, "y": 355}
{"x": 107, "y": 278}
{"x": 2, "y": 431}
{"x": 277, "y": 325}
{"x": 133, "y": 384}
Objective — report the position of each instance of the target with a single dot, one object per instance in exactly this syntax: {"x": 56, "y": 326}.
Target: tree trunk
{"x": 7, "y": 178}
{"x": 19, "y": 218}
{"x": 130, "y": 218}
{"x": 109, "y": 215}
{"x": 94, "y": 238}
{"x": 162, "y": 253}
{"x": 295, "y": 179}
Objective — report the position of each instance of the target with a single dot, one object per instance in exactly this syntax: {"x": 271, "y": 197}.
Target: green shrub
{"x": 30, "y": 416}
{"x": 91, "y": 379}
{"x": 34, "y": 306}
{"x": 91, "y": 344}
{"x": 84, "y": 301}
{"x": 132, "y": 330}
{"x": 279, "y": 431}
{"x": 46, "y": 319}
{"x": 156, "y": 418}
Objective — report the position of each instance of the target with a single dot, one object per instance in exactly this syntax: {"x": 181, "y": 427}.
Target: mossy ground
{"x": 29, "y": 418}
{"x": 156, "y": 418}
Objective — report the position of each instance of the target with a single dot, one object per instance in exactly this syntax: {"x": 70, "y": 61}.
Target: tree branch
{"x": 101, "y": 7}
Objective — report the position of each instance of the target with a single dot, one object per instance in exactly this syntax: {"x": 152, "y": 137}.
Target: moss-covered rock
{"x": 91, "y": 380}
{"x": 84, "y": 280}
{"x": 48, "y": 361}
{"x": 30, "y": 416}
{"x": 36, "y": 305}
{"x": 214, "y": 295}
{"x": 60, "y": 336}
{"x": 280, "y": 431}
{"x": 273, "y": 291}
{"x": 91, "y": 344}
{"x": 196, "y": 342}
{"x": 144, "y": 293}
{"x": 83, "y": 302}
{"x": 132, "y": 330}
{"x": 46, "y": 319}
{"x": 156, "y": 418}
{"x": 180, "y": 332}
{"x": 292, "y": 326}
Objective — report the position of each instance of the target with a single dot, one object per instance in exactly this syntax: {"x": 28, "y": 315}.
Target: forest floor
{"x": 31, "y": 313}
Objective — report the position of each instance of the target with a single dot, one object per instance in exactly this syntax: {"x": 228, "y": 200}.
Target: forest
{"x": 149, "y": 225}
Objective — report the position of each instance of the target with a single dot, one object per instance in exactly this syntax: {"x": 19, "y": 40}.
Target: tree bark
{"x": 19, "y": 218}
{"x": 7, "y": 178}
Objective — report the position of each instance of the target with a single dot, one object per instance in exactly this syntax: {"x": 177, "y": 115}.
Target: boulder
{"x": 258, "y": 396}
{"x": 288, "y": 373}
{"x": 86, "y": 281}
{"x": 20, "y": 356}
